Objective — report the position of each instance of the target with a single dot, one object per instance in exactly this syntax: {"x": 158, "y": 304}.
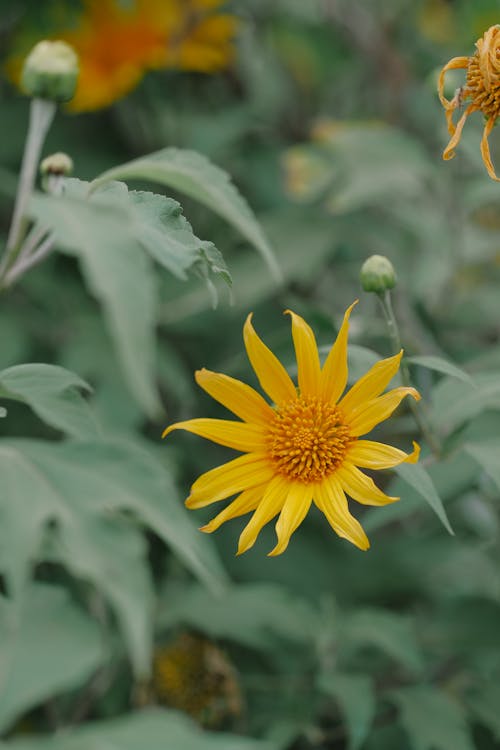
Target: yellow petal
{"x": 360, "y": 487}
{"x": 331, "y": 500}
{"x": 294, "y": 511}
{"x": 272, "y": 376}
{"x": 244, "y": 503}
{"x": 238, "y": 435}
{"x": 456, "y": 132}
{"x": 306, "y": 352}
{"x": 241, "y": 473}
{"x": 369, "y": 454}
{"x": 453, "y": 64}
{"x": 485, "y": 149}
{"x": 268, "y": 508}
{"x": 371, "y": 384}
{"x": 375, "y": 411}
{"x": 334, "y": 373}
{"x": 236, "y": 396}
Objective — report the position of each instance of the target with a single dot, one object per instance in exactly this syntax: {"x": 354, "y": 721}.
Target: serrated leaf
{"x": 47, "y": 646}
{"x": 84, "y": 488}
{"x": 392, "y": 633}
{"x": 153, "y": 728}
{"x": 440, "y": 365}
{"x": 432, "y": 720}
{"x": 355, "y": 694}
{"x": 418, "y": 478}
{"x": 487, "y": 455}
{"x": 117, "y": 271}
{"x": 257, "y": 615}
{"x": 163, "y": 232}
{"x": 194, "y": 175}
{"x": 54, "y": 395}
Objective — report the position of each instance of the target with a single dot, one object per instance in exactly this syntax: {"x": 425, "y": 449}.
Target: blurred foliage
{"x": 329, "y": 125}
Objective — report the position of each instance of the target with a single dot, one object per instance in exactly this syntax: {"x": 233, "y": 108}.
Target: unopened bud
{"x": 50, "y": 71}
{"x": 377, "y": 274}
{"x": 57, "y": 164}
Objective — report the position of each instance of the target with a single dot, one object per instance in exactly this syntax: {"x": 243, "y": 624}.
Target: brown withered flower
{"x": 481, "y": 91}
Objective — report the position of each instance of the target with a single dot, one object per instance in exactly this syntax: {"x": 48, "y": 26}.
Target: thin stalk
{"x": 23, "y": 264}
{"x": 417, "y": 408}
{"x": 42, "y": 113}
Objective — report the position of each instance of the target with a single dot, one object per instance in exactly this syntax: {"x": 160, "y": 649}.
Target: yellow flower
{"x": 305, "y": 448}
{"x": 481, "y": 89}
{"x": 118, "y": 42}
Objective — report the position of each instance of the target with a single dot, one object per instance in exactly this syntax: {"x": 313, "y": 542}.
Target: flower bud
{"x": 57, "y": 164}
{"x": 50, "y": 71}
{"x": 377, "y": 274}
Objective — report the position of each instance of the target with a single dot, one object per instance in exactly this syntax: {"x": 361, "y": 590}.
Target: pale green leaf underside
{"x": 151, "y": 729}
{"x": 54, "y": 395}
{"x": 85, "y": 488}
{"x": 118, "y": 273}
{"x": 48, "y": 646}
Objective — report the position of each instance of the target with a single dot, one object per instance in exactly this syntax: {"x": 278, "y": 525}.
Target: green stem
{"x": 417, "y": 408}
{"x": 42, "y": 114}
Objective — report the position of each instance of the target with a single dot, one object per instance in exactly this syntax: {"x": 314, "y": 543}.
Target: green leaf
{"x": 440, "y": 365}
{"x": 3, "y": 412}
{"x": 432, "y": 720}
{"x": 54, "y": 395}
{"x": 392, "y": 633}
{"x": 47, "y": 646}
{"x": 84, "y": 488}
{"x": 454, "y": 402}
{"x": 153, "y": 728}
{"x": 116, "y": 270}
{"x": 355, "y": 695}
{"x": 418, "y": 478}
{"x": 257, "y": 615}
{"x": 487, "y": 455}
{"x": 164, "y": 233}
{"x": 194, "y": 175}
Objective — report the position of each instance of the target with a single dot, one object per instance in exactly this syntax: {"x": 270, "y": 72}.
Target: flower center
{"x": 307, "y": 439}
{"x": 485, "y": 94}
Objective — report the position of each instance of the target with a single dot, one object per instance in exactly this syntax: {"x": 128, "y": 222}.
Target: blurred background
{"x": 325, "y": 114}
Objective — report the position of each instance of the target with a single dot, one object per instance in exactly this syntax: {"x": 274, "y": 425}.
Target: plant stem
{"x": 42, "y": 113}
{"x": 416, "y": 408}
{"x": 28, "y": 261}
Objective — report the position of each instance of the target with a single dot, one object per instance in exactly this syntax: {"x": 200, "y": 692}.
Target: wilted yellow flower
{"x": 118, "y": 42}
{"x": 481, "y": 89}
{"x": 305, "y": 447}
{"x": 193, "y": 675}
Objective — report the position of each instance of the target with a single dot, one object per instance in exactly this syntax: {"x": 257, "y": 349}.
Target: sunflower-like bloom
{"x": 305, "y": 447}
{"x": 117, "y": 43}
{"x": 481, "y": 90}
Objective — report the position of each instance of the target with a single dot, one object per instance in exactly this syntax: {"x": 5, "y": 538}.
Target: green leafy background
{"x": 228, "y": 200}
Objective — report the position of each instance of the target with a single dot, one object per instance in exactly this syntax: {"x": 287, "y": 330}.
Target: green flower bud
{"x": 377, "y": 274}
{"x": 50, "y": 71}
{"x": 57, "y": 164}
